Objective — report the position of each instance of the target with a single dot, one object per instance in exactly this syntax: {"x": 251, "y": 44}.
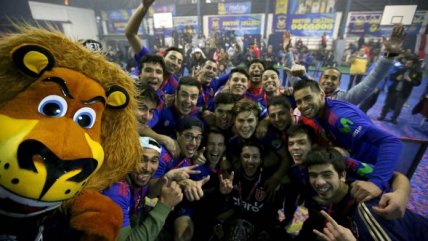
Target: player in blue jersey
{"x": 346, "y": 126}
{"x": 173, "y": 56}
{"x": 184, "y": 105}
{"x": 334, "y": 214}
{"x": 251, "y": 213}
{"x": 131, "y": 192}
{"x": 210, "y": 84}
{"x": 189, "y": 137}
{"x": 302, "y": 139}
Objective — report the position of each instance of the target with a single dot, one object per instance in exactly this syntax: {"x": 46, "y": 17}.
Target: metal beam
{"x": 345, "y": 13}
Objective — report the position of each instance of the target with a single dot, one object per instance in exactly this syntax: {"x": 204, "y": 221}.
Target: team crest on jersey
{"x": 260, "y": 194}
{"x": 276, "y": 143}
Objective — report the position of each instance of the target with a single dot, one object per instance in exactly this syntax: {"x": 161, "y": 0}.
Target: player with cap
{"x": 131, "y": 192}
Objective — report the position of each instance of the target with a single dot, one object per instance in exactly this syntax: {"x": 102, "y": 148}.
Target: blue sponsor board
{"x": 248, "y": 24}
{"x": 234, "y": 8}
{"x": 368, "y": 23}
{"x": 279, "y": 23}
{"x": 311, "y": 25}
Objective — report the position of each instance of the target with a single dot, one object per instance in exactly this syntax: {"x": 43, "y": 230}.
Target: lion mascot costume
{"x": 68, "y": 129}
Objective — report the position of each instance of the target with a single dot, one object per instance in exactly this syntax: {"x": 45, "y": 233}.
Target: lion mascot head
{"x": 67, "y": 124}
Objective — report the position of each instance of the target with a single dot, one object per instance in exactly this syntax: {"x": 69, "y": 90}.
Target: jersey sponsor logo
{"x": 345, "y": 122}
{"x": 251, "y": 207}
{"x": 364, "y": 170}
{"x": 357, "y": 131}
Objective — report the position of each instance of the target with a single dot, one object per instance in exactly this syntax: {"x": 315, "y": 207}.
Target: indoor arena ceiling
{"x": 356, "y": 5}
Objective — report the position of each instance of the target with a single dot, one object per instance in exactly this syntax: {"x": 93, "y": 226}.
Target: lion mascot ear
{"x": 68, "y": 130}
{"x": 33, "y": 60}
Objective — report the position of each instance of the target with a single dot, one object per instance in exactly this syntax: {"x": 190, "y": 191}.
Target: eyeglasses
{"x": 189, "y": 137}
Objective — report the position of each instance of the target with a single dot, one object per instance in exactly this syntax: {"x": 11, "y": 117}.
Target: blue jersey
{"x": 346, "y": 126}
{"x": 167, "y": 162}
{"x": 130, "y": 200}
{"x": 365, "y": 224}
{"x": 168, "y": 86}
{"x": 168, "y": 119}
{"x": 207, "y": 93}
{"x": 274, "y": 139}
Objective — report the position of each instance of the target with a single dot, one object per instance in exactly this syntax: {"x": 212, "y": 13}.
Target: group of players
{"x": 222, "y": 155}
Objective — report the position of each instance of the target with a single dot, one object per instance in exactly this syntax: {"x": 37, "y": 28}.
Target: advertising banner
{"x": 279, "y": 23}
{"x": 311, "y": 25}
{"x": 116, "y": 20}
{"x": 167, "y": 8}
{"x": 281, "y": 7}
{"x": 185, "y": 22}
{"x": 234, "y": 8}
{"x": 243, "y": 24}
{"x": 311, "y": 6}
{"x": 368, "y": 23}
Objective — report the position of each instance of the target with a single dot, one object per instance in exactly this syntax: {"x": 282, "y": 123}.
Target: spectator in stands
{"x": 197, "y": 59}
{"x": 238, "y": 56}
{"x": 255, "y": 70}
{"x": 331, "y": 77}
{"x": 401, "y": 87}
{"x": 269, "y": 57}
{"x": 359, "y": 63}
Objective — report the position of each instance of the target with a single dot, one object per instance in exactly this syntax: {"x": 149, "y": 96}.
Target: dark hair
{"x": 215, "y": 130}
{"x": 223, "y": 98}
{"x": 333, "y": 68}
{"x": 256, "y": 61}
{"x": 174, "y": 49}
{"x": 294, "y": 130}
{"x": 253, "y": 142}
{"x": 279, "y": 100}
{"x": 246, "y": 105}
{"x": 148, "y": 93}
{"x": 271, "y": 68}
{"x": 155, "y": 59}
{"x": 411, "y": 57}
{"x": 210, "y": 60}
{"x": 188, "y": 80}
{"x": 325, "y": 155}
{"x": 239, "y": 70}
{"x": 188, "y": 122}
{"x": 303, "y": 83}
